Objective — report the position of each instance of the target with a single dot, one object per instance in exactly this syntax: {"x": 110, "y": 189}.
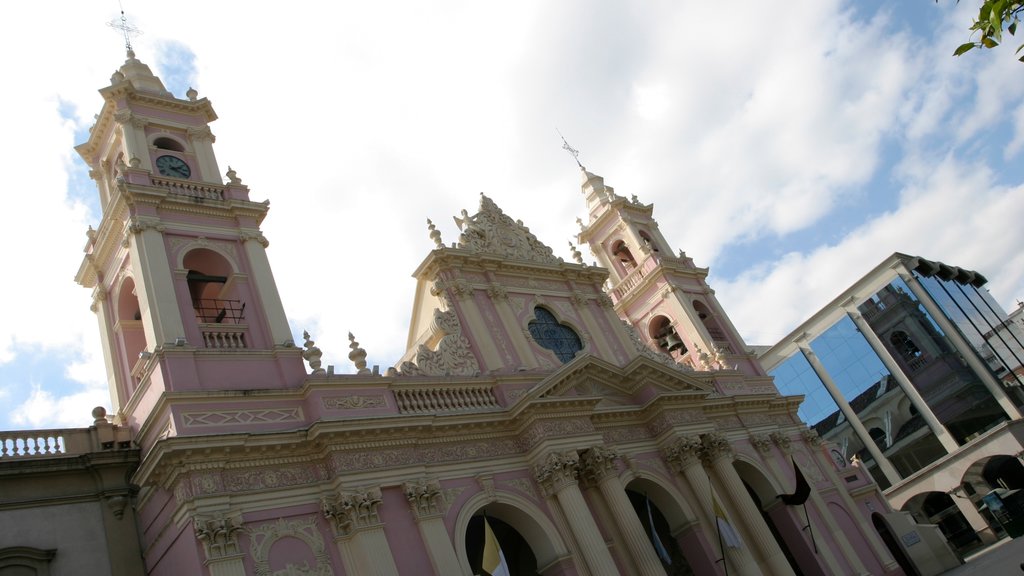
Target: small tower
{"x": 182, "y": 287}
{"x": 664, "y": 296}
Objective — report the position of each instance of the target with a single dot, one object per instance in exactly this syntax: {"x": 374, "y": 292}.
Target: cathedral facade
{"x": 597, "y": 419}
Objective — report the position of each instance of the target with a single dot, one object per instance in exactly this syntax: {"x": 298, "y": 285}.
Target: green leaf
{"x": 988, "y": 42}
{"x": 963, "y": 48}
{"x": 1012, "y": 28}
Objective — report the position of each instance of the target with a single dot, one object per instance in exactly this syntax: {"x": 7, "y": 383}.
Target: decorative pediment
{"x": 589, "y": 377}
{"x": 491, "y": 231}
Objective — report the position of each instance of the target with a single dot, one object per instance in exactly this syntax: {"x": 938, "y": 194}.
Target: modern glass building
{"x": 914, "y": 372}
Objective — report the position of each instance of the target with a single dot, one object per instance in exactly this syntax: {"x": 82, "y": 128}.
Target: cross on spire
{"x": 572, "y": 151}
{"x": 127, "y": 29}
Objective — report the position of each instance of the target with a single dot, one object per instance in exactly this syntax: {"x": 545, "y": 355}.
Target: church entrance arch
{"x": 786, "y": 524}
{"x": 671, "y": 529}
{"x": 528, "y": 541}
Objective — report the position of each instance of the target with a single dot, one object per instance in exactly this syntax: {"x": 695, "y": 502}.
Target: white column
{"x": 966, "y": 351}
{"x": 427, "y": 507}
{"x": 598, "y": 466}
{"x": 558, "y": 476}
{"x": 684, "y": 456}
{"x": 858, "y": 427}
{"x": 718, "y": 454}
{"x": 940, "y": 431}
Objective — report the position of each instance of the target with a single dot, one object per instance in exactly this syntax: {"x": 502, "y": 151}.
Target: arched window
{"x": 623, "y": 255}
{"x": 209, "y": 287}
{"x": 165, "y": 143}
{"x": 904, "y": 346}
{"x": 709, "y": 321}
{"x": 648, "y": 241}
{"x": 557, "y": 337}
{"x": 664, "y": 335}
{"x": 878, "y": 435}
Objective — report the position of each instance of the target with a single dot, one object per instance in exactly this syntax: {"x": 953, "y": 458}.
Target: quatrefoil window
{"x": 554, "y": 336}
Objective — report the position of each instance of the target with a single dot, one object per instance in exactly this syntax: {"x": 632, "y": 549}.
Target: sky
{"x": 789, "y": 146}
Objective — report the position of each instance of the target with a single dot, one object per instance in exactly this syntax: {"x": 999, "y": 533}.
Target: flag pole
{"x": 810, "y": 531}
{"x": 718, "y": 527}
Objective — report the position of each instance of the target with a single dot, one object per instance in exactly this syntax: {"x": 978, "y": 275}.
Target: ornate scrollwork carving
{"x": 782, "y": 441}
{"x": 683, "y": 453}
{"x": 351, "y": 511}
{"x": 201, "y": 134}
{"x": 219, "y": 534}
{"x": 812, "y": 437}
{"x": 497, "y": 292}
{"x": 425, "y": 498}
{"x": 492, "y": 232}
{"x": 598, "y": 462}
{"x": 761, "y": 442}
{"x": 714, "y": 447}
{"x": 453, "y": 356}
{"x": 559, "y": 470}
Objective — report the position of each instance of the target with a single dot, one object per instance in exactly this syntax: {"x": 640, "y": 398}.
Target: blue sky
{"x": 790, "y": 149}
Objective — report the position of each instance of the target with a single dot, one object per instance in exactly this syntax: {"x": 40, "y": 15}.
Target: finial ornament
{"x": 357, "y": 355}
{"x": 572, "y": 151}
{"x": 576, "y": 254}
{"x": 192, "y": 94}
{"x": 312, "y": 354}
{"x": 435, "y": 234}
{"x": 233, "y": 176}
{"x": 127, "y": 30}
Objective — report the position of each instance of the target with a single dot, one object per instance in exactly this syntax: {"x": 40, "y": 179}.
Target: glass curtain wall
{"x": 925, "y": 355}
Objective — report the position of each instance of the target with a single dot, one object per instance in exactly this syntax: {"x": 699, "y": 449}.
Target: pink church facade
{"x": 603, "y": 419}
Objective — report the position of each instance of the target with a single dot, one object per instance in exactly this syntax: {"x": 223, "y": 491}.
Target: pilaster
{"x": 427, "y": 505}
{"x": 360, "y": 533}
{"x": 219, "y": 535}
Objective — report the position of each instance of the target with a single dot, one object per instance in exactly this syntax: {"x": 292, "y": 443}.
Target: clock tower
{"x": 182, "y": 286}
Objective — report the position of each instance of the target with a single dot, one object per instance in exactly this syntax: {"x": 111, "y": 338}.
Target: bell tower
{"x": 182, "y": 287}
{"x": 664, "y": 296}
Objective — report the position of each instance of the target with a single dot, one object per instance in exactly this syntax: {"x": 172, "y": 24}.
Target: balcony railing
{"x": 219, "y": 311}
{"x": 191, "y": 189}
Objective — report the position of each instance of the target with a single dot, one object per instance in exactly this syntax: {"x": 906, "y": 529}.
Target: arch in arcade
{"x": 528, "y": 539}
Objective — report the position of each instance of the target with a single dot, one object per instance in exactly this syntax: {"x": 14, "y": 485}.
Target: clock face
{"x": 173, "y": 166}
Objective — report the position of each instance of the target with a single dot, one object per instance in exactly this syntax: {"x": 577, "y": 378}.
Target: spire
{"x": 140, "y": 76}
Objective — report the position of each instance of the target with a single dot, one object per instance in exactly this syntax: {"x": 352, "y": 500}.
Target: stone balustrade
{"x": 192, "y": 189}
{"x": 225, "y": 336}
{"x": 25, "y": 444}
{"x": 445, "y": 399}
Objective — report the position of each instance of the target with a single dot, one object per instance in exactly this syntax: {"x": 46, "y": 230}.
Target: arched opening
{"x": 880, "y": 438}
{"x": 130, "y": 330}
{"x": 664, "y": 335}
{"x": 166, "y": 143}
{"x": 893, "y": 545}
{"x": 513, "y": 529}
{"x": 781, "y": 520}
{"x": 623, "y": 256}
{"x": 648, "y": 241}
{"x": 939, "y": 508}
{"x": 709, "y": 321}
{"x": 996, "y": 486}
{"x": 659, "y": 534}
{"x": 211, "y": 288}
{"x": 904, "y": 346}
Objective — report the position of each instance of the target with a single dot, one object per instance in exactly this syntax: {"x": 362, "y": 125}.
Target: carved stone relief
{"x": 453, "y": 356}
{"x": 262, "y": 539}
